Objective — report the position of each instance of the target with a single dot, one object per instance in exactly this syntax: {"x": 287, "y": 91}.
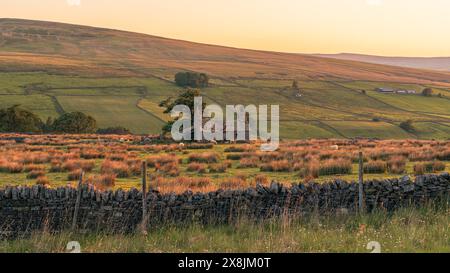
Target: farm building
{"x": 398, "y": 91}
{"x": 405, "y": 91}
{"x": 385, "y": 90}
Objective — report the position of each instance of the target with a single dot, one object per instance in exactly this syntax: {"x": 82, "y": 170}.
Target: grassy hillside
{"x": 407, "y": 230}
{"x": 119, "y": 77}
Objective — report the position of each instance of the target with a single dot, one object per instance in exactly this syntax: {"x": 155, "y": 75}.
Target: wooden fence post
{"x": 144, "y": 197}
{"x": 77, "y": 203}
{"x": 361, "y": 183}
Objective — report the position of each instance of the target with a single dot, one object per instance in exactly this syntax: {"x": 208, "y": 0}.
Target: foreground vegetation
{"x": 407, "y": 230}
{"x": 115, "y": 161}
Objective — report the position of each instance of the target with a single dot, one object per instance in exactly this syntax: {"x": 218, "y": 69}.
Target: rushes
{"x": 376, "y": 166}
{"x": 428, "y": 167}
{"x": 207, "y": 157}
{"x": 248, "y": 163}
{"x": 276, "y": 166}
{"x": 233, "y": 183}
{"x": 118, "y": 168}
{"x": 11, "y": 167}
{"x": 219, "y": 167}
{"x": 76, "y": 164}
{"x": 152, "y": 161}
{"x": 397, "y": 165}
{"x": 197, "y": 167}
{"x": 335, "y": 166}
{"x": 104, "y": 181}
{"x": 35, "y": 174}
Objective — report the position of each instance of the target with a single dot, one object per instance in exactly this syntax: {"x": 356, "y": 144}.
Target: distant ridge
{"x": 434, "y": 63}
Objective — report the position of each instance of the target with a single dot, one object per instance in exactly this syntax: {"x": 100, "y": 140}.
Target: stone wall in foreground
{"x": 24, "y": 209}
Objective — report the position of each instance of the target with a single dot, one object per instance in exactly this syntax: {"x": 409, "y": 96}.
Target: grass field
{"x": 381, "y": 130}
{"x": 326, "y": 112}
{"x": 407, "y": 230}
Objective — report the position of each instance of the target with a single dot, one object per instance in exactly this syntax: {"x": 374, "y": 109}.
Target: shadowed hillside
{"x": 119, "y": 78}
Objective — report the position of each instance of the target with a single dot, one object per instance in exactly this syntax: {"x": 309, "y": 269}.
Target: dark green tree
{"x": 48, "y": 126}
{"x": 407, "y": 125}
{"x": 118, "y": 130}
{"x": 18, "y": 120}
{"x": 185, "y": 98}
{"x": 192, "y": 79}
{"x": 75, "y": 123}
{"x": 427, "y": 92}
{"x": 295, "y": 85}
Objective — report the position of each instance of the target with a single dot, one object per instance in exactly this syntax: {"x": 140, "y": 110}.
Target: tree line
{"x": 16, "y": 119}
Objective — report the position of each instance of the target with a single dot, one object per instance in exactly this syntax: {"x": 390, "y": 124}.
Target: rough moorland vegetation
{"x": 114, "y": 161}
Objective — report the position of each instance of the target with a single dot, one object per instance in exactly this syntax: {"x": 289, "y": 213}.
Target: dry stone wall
{"x": 26, "y": 209}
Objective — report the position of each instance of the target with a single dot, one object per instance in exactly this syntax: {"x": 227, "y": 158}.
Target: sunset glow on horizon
{"x": 377, "y": 27}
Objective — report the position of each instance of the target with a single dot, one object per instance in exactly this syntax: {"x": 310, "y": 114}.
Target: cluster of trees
{"x": 407, "y": 126}
{"x": 185, "y": 98}
{"x": 18, "y": 120}
{"x": 427, "y": 92}
{"x": 192, "y": 79}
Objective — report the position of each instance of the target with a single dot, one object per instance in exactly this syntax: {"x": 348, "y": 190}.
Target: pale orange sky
{"x": 381, "y": 27}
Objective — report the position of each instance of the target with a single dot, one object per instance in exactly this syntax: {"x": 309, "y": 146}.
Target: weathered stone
{"x": 35, "y": 192}
{"x": 14, "y": 193}
{"x": 105, "y": 196}
{"x": 405, "y": 179}
{"x": 252, "y": 192}
{"x": 408, "y": 188}
{"x": 119, "y": 195}
{"x": 274, "y": 187}
{"x": 114, "y": 210}
{"x": 261, "y": 189}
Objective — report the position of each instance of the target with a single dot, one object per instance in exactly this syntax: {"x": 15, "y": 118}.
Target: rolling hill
{"x": 119, "y": 77}
{"x": 434, "y": 63}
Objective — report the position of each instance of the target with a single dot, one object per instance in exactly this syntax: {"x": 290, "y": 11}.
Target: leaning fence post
{"x": 144, "y": 197}
{"x": 361, "y": 183}
{"x": 77, "y": 203}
